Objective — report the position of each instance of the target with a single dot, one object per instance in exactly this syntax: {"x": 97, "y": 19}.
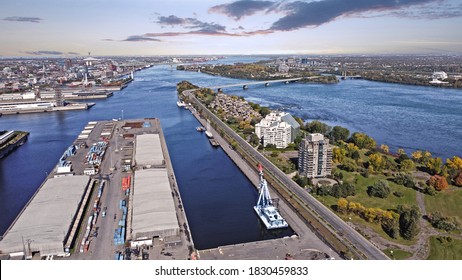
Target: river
{"x": 218, "y": 198}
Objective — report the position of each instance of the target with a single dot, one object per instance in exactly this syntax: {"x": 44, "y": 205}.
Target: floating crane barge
{"x": 268, "y": 213}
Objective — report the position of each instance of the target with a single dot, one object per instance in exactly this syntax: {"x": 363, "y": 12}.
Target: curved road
{"x": 348, "y": 233}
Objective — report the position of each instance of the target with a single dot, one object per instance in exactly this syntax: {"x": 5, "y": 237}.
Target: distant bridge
{"x": 266, "y": 83}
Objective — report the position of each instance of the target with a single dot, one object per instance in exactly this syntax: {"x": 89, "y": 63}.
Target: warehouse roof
{"x": 47, "y": 219}
{"x": 153, "y": 208}
{"x": 148, "y": 150}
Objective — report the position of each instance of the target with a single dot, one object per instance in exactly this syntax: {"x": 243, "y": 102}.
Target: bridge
{"x": 266, "y": 83}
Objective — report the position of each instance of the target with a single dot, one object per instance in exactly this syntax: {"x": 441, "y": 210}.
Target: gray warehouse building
{"x": 148, "y": 151}
{"x": 154, "y": 214}
{"x": 45, "y": 223}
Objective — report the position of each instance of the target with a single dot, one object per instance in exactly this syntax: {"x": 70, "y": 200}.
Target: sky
{"x": 218, "y": 27}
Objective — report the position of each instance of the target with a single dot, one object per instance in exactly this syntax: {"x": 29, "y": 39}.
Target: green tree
{"x": 254, "y": 140}
{"x": 264, "y": 111}
{"x": 379, "y": 189}
{"x": 404, "y": 179}
{"x": 408, "y": 221}
{"x": 339, "y": 133}
{"x": 317, "y": 127}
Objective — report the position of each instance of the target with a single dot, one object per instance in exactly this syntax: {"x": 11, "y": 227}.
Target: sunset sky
{"x": 180, "y": 27}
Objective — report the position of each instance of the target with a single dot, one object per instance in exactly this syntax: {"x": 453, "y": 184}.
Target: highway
{"x": 351, "y": 235}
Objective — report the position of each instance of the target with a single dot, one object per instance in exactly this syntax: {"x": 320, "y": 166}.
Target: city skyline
{"x": 180, "y": 27}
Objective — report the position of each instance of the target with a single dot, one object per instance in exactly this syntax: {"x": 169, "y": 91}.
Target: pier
{"x": 86, "y": 200}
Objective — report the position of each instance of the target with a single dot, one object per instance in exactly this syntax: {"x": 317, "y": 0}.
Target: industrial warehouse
{"x": 113, "y": 194}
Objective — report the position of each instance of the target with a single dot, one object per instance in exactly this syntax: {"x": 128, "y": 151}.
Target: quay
{"x": 270, "y": 249}
{"x": 97, "y": 203}
{"x": 15, "y": 107}
{"x": 10, "y": 140}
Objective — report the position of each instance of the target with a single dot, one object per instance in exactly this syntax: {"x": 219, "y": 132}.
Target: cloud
{"x": 24, "y": 19}
{"x": 191, "y": 23}
{"x": 45, "y": 53}
{"x": 140, "y": 38}
{"x": 442, "y": 10}
{"x": 242, "y": 8}
{"x": 311, "y": 14}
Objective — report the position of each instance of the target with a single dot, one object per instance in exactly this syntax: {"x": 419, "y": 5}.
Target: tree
{"x": 408, "y": 221}
{"x": 401, "y": 151}
{"x": 458, "y": 180}
{"x": 417, "y": 155}
{"x": 438, "y": 182}
{"x": 407, "y": 165}
{"x": 348, "y": 165}
{"x": 351, "y": 148}
{"x": 404, "y": 179}
{"x": 363, "y": 141}
{"x": 254, "y": 140}
{"x": 379, "y": 189}
{"x": 385, "y": 148}
{"x": 455, "y": 163}
{"x": 342, "y": 205}
{"x": 390, "y": 224}
{"x": 434, "y": 165}
{"x": 264, "y": 111}
{"x": 343, "y": 190}
{"x": 338, "y": 154}
{"x": 317, "y": 127}
{"x": 339, "y": 133}
{"x": 377, "y": 161}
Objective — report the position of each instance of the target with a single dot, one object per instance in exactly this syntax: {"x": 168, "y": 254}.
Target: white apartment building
{"x": 273, "y": 130}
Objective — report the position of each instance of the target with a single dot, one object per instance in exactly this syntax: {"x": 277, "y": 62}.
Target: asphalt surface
{"x": 352, "y": 236}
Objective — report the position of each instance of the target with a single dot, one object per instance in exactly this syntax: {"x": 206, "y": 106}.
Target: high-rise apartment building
{"x": 315, "y": 156}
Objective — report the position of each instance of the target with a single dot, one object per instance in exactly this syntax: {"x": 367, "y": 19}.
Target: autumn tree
{"x": 438, "y": 182}
{"x": 407, "y": 165}
{"x": 434, "y": 165}
{"x": 338, "y": 154}
{"x": 363, "y": 141}
{"x": 417, "y": 156}
{"x": 458, "y": 180}
{"x": 385, "y": 148}
{"x": 377, "y": 161}
{"x": 342, "y": 205}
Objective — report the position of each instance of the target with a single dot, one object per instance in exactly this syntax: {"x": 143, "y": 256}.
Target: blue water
{"x": 218, "y": 199}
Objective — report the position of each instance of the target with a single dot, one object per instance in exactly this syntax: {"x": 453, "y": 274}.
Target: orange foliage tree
{"x": 438, "y": 182}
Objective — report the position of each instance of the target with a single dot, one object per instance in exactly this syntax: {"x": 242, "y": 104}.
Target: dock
{"x": 93, "y": 204}
{"x": 11, "y": 140}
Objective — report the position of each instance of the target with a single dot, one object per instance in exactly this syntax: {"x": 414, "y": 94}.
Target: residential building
{"x": 274, "y": 130}
{"x": 315, "y": 156}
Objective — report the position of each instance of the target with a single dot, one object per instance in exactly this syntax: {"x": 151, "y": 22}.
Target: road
{"x": 348, "y": 233}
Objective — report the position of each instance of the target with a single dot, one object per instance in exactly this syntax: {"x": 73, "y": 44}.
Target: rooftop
{"x": 47, "y": 219}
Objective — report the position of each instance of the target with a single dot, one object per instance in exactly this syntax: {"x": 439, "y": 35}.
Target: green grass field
{"x": 389, "y": 203}
{"x": 397, "y": 254}
{"x": 446, "y": 202}
{"x": 442, "y": 249}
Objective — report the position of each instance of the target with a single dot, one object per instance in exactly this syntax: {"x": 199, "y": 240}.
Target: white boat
{"x": 209, "y": 134}
{"x": 265, "y": 209}
{"x": 180, "y": 103}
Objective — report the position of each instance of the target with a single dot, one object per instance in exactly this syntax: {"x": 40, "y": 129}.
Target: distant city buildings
{"x": 315, "y": 156}
{"x": 277, "y": 128}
